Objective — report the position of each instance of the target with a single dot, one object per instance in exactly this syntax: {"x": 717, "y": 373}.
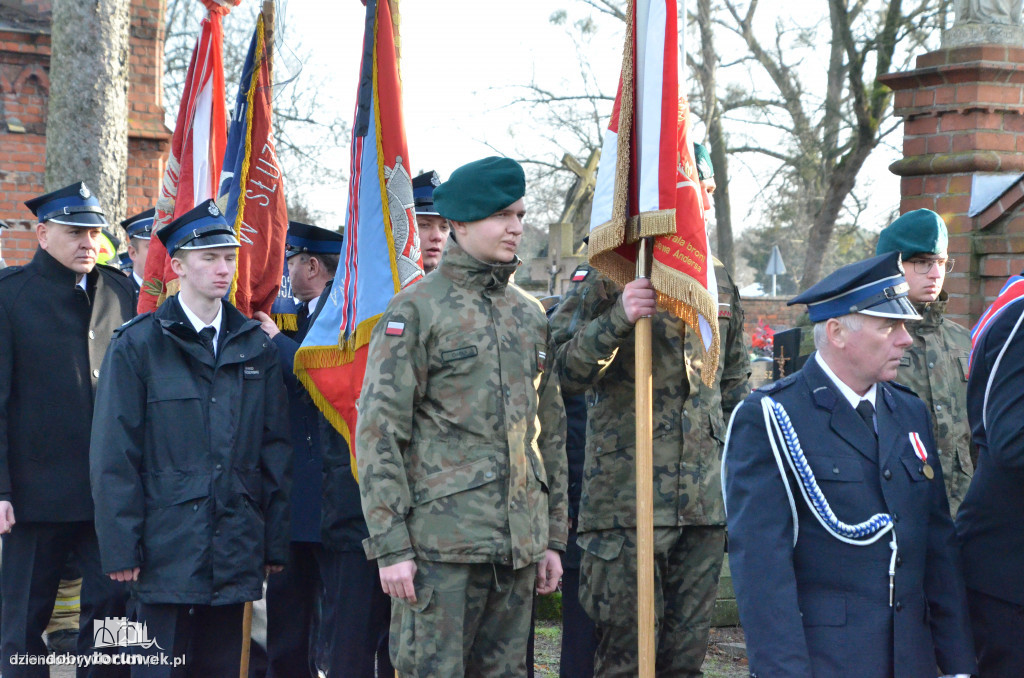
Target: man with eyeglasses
{"x": 935, "y": 367}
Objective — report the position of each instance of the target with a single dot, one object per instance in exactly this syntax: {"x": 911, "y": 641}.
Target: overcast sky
{"x": 461, "y": 60}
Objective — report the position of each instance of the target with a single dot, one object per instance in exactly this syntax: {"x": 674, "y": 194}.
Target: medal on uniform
{"x": 922, "y": 454}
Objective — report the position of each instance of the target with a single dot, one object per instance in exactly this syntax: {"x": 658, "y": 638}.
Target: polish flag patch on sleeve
{"x": 580, "y": 274}
{"x": 395, "y": 329}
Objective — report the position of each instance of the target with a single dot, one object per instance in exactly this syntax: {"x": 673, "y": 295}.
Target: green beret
{"x": 705, "y": 170}
{"x": 479, "y": 189}
{"x": 917, "y": 232}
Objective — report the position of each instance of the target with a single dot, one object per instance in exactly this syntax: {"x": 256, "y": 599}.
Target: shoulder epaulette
{"x": 131, "y": 322}
{"x": 778, "y": 385}
{"x": 9, "y": 271}
{"x": 581, "y": 273}
{"x": 113, "y": 269}
{"x": 903, "y": 387}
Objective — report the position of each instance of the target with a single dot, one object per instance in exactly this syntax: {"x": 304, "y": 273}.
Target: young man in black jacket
{"x": 190, "y": 458}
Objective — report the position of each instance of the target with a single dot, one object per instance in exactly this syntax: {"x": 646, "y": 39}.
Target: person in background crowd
{"x": 139, "y": 229}
{"x": 433, "y": 228}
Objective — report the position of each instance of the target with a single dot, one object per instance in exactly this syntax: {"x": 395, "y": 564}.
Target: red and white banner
{"x": 197, "y": 149}
{"x": 647, "y": 183}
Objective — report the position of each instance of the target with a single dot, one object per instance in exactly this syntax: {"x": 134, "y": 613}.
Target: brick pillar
{"x": 963, "y": 111}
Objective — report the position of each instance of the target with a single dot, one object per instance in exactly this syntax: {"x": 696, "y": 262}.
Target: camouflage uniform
{"x": 595, "y": 354}
{"x": 935, "y": 367}
{"x": 461, "y": 453}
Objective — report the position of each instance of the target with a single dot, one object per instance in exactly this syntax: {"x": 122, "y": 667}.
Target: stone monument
{"x": 986, "y": 22}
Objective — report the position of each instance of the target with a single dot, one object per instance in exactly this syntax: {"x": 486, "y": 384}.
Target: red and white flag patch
{"x": 919, "y": 449}
{"x": 580, "y": 274}
{"x": 394, "y": 329}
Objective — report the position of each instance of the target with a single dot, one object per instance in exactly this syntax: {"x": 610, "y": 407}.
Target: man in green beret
{"x": 705, "y": 169}
{"x": 935, "y": 367}
{"x": 461, "y": 444}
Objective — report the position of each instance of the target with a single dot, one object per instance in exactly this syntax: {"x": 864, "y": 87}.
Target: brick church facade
{"x": 24, "y": 91}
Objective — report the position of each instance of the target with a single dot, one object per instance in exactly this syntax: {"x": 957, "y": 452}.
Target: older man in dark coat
{"x": 843, "y": 554}
{"x": 57, "y": 315}
{"x": 190, "y": 458}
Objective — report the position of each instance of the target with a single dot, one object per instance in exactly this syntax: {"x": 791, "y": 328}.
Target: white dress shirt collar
{"x": 851, "y": 396}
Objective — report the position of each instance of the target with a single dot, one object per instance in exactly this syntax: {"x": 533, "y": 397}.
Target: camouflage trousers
{"x": 687, "y": 563}
{"x": 468, "y": 620}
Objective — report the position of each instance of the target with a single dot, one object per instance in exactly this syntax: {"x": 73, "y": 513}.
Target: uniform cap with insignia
{"x": 701, "y": 156}
{"x": 423, "y": 192}
{"x": 73, "y": 205}
{"x": 478, "y": 189}
{"x": 311, "y": 239}
{"x": 873, "y": 286}
{"x": 917, "y": 232}
{"x": 141, "y": 225}
{"x": 202, "y": 227}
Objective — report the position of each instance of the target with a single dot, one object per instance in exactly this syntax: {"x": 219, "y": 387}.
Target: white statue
{"x": 1004, "y": 12}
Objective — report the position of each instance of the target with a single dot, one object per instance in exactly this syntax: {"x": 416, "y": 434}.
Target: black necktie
{"x": 302, "y": 318}
{"x": 206, "y": 336}
{"x": 867, "y": 412}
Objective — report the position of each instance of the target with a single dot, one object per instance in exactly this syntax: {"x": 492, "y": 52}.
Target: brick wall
{"x": 772, "y": 310}
{"x": 24, "y": 90}
{"x": 963, "y": 111}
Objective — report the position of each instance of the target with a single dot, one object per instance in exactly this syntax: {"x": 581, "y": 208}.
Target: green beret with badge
{"x": 478, "y": 189}
{"x": 918, "y": 232}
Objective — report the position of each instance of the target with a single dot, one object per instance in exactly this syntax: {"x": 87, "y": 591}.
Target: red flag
{"x": 252, "y": 189}
{"x": 381, "y": 243}
{"x": 647, "y": 182}
{"x": 197, "y": 149}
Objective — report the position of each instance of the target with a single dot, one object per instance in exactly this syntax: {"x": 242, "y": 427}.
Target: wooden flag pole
{"x": 243, "y": 671}
{"x": 644, "y": 479}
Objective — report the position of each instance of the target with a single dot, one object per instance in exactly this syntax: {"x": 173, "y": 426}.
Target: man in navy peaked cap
{"x": 139, "y": 229}
{"x": 842, "y": 551}
{"x": 190, "y": 462}
{"x": 59, "y": 313}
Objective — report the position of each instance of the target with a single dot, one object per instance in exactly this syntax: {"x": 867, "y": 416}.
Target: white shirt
{"x": 137, "y": 278}
{"x": 81, "y": 283}
{"x": 848, "y": 393}
{"x": 198, "y": 324}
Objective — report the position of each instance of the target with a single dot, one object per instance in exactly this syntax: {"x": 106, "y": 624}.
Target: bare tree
{"x": 307, "y": 134}
{"x": 87, "y": 114}
{"x": 823, "y": 144}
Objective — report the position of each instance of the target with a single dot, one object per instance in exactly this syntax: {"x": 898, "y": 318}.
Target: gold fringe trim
{"x": 321, "y": 357}
{"x": 685, "y": 298}
{"x": 651, "y": 224}
{"x": 288, "y": 322}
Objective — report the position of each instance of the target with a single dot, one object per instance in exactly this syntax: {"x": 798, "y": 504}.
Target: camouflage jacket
{"x": 935, "y": 367}
{"x": 594, "y": 353}
{"x": 461, "y": 436}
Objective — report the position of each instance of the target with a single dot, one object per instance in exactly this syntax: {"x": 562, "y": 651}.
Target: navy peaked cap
{"x": 423, "y": 192}
{"x": 311, "y": 239}
{"x": 873, "y": 286}
{"x": 73, "y": 205}
{"x": 141, "y": 225}
{"x": 200, "y": 228}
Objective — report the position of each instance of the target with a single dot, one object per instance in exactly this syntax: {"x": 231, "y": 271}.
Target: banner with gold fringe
{"x": 197, "y": 150}
{"x": 381, "y": 252}
{"x": 252, "y": 186}
{"x": 647, "y": 182}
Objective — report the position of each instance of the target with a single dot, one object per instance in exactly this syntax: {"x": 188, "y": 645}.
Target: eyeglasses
{"x": 923, "y": 266}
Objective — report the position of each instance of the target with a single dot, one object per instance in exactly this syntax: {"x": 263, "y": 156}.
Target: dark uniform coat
{"x": 991, "y": 518}
{"x": 53, "y": 336}
{"x": 190, "y": 459}
{"x": 821, "y": 608}
{"x": 307, "y": 461}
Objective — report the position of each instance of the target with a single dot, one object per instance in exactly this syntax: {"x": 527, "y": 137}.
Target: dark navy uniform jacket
{"x": 307, "y": 459}
{"x": 991, "y": 518}
{"x": 821, "y": 608}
